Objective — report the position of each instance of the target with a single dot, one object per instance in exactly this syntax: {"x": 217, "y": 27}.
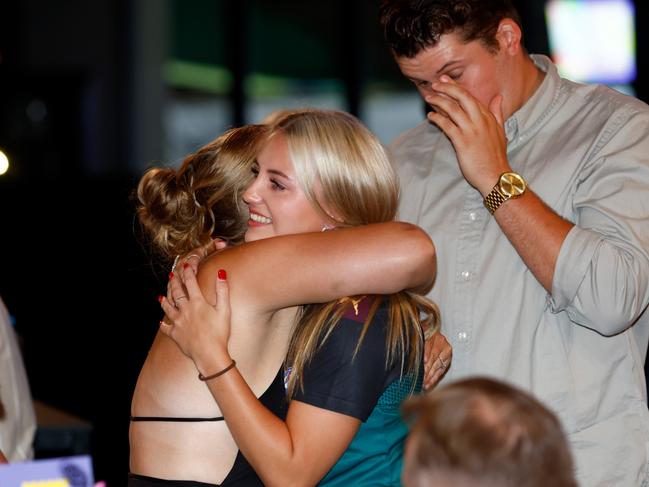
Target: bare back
{"x": 168, "y": 386}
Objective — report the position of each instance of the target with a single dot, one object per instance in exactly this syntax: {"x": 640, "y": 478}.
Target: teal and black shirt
{"x": 363, "y": 387}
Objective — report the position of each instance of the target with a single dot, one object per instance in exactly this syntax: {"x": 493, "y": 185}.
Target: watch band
{"x": 494, "y": 199}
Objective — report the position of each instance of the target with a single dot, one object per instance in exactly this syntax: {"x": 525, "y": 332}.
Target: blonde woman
{"x": 352, "y": 361}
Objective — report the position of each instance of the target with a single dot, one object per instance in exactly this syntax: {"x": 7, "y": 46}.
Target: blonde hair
{"x": 336, "y": 153}
{"x": 332, "y": 150}
{"x": 182, "y": 209}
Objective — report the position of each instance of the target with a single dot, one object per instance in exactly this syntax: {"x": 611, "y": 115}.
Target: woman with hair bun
{"x": 348, "y": 361}
{"x": 183, "y": 209}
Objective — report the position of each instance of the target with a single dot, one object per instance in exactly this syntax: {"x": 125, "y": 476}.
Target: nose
{"x": 250, "y": 195}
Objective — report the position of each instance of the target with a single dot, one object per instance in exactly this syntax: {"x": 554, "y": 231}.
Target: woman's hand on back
{"x": 437, "y": 359}
{"x": 200, "y": 329}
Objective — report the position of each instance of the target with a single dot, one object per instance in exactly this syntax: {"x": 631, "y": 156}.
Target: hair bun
{"x": 182, "y": 209}
{"x": 169, "y": 213}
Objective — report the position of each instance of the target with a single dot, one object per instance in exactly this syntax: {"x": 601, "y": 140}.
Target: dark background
{"x": 80, "y": 118}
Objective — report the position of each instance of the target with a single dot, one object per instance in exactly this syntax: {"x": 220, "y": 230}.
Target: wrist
{"x": 510, "y": 185}
{"x": 490, "y": 180}
{"x": 215, "y": 360}
{"x": 222, "y": 371}
{"x": 486, "y": 188}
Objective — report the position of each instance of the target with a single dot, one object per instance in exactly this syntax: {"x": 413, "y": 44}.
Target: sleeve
{"x": 601, "y": 277}
{"x": 337, "y": 380}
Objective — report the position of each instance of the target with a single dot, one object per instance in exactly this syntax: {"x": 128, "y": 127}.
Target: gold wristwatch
{"x": 510, "y": 185}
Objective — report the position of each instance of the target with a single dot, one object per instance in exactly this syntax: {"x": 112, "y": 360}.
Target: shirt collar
{"x": 539, "y": 105}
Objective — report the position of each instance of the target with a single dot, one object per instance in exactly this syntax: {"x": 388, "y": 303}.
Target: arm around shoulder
{"x": 288, "y": 270}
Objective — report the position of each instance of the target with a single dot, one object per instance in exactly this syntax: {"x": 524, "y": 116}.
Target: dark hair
{"x": 485, "y": 432}
{"x": 409, "y": 26}
{"x": 181, "y": 209}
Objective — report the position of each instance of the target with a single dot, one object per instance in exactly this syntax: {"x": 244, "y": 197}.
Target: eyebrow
{"x": 279, "y": 173}
{"x": 450, "y": 63}
{"x": 443, "y": 68}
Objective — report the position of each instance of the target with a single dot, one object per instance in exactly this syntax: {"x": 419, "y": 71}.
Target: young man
{"x": 484, "y": 433}
{"x": 534, "y": 189}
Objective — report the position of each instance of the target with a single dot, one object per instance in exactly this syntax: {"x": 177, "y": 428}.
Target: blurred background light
{"x": 4, "y": 163}
{"x": 593, "y": 40}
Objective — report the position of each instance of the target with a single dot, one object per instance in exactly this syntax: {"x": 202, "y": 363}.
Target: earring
{"x": 326, "y": 227}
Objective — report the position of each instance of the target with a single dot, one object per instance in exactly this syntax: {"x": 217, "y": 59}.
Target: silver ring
{"x": 179, "y": 297}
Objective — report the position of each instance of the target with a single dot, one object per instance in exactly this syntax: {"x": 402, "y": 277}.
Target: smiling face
{"x": 481, "y": 71}
{"x": 277, "y": 203}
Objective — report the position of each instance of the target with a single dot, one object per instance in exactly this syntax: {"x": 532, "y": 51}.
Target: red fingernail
{"x": 171, "y": 275}
{"x": 222, "y": 274}
{"x": 185, "y": 265}
{"x": 160, "y": 298}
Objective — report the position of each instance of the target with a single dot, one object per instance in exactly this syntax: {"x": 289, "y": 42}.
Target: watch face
{"x": 511, "y": 184}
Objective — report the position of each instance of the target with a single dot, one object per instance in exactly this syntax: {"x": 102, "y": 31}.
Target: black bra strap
{"x": 172, "y": 419}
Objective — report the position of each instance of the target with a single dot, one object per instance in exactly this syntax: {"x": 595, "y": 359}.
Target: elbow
{"x": 607, "y": 325}
{"x": 287, "y": 472}
{"x": 285, "y": 480}
{"x": 408, "y": 253}
{"x": 613, "y": 293}
{"x": 622, "y": 320}
{"x": 295, "y": 483}
{"x": 607, "y": 319}
{"x": 422, "y": 256}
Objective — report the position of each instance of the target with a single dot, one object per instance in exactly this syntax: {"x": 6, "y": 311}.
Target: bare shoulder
{"x": 245, "y": 277}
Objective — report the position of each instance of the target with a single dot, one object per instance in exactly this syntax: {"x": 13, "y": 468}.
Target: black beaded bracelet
{"x": 208, "y": 377}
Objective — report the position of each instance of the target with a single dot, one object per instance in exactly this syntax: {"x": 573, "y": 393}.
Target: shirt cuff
{"x": 575, "y": 257}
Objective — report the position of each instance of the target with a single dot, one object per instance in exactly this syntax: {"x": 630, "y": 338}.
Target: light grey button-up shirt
{"x": 584, "y": 150}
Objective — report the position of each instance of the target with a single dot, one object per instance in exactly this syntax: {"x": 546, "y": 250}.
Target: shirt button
{"x": 465, "y": 275}
{"x": 472, "y": 216}
{"x": 463, "y": 336}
